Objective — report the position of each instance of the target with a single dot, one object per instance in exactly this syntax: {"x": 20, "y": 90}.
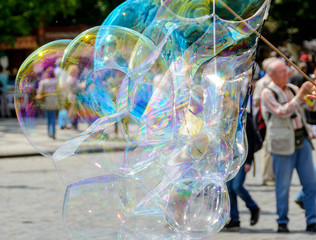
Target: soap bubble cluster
{"x": 151, "y": 106}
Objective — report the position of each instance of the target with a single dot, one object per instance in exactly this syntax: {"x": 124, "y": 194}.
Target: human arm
{"x": 272, "y": 105}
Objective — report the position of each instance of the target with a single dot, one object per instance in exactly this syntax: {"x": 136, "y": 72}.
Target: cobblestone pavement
{"x": 31, "y": 198}
{"x": 13, "y": 143}
{"x": 32, "y": 194}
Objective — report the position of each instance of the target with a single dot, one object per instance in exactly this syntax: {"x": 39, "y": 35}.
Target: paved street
{"x": 31, "y": 198}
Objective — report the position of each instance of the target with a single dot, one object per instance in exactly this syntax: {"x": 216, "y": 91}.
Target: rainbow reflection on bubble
{"x": 151, "y": 110}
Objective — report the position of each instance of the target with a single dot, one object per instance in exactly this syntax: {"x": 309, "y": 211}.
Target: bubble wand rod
{"x": 268, "y": 43}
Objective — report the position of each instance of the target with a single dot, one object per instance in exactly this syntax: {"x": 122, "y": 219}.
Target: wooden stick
{"x": 269, "y": 44}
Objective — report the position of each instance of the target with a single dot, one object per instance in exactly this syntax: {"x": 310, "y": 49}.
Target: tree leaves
{"x": 294, "y": 20}
{"x": 19, "y": 18}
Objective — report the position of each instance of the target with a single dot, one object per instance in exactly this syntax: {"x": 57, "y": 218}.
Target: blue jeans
{"x": 283, "y": 167}
{"x": 300, "y": 195}
{"x": 63, "y": 119}
{"x": 235, "y": 188}
{"x": 51, "y": 122}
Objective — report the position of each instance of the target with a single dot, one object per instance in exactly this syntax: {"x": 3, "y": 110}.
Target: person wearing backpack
{"x": 288, "y": 141}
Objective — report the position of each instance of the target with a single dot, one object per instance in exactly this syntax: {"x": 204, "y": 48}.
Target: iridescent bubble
{"x": 240, "y": 150}
{"x": 105, "y": 91}
{"x": 191, "y": 9}
{"x": 96, "y": 208}
{"x": 37, "y": 98}
{"x": 131, "y": 62}
{"x": 156, "y": 99}
{"x": 134, "y": 14}
{"x": 83, "y": 88}
{"x": 92, "y": 208}
{"x": 198, "y": 207}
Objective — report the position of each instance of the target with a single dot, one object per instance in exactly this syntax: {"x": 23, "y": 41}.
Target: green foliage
{"x": 291, "y": 20}
{"x": 89, "y": 12}
{"x": 21, "y": 17}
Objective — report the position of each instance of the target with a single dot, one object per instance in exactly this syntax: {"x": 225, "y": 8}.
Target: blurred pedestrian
{"x": 61, "y": 81}
{"x": 299, "y": 198}
{"x": 46, "y": 94}
{"x": 4, "y": 77}
{"x": 308, "y": 59}
{"x": 73, "y": 88}
{"x": 261, "y": 84}
{"x": 235, "y": 186}
{"x": 289, "y": 142}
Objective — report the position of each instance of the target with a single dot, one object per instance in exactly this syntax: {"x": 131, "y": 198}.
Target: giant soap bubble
{"x": 152, "y": 107}
{"x": 30, "y": 99}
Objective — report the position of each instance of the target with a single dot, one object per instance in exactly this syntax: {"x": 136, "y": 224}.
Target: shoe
{"x": 254, "y": 216}
{"x": 300, "y": 203}
{"x": 311, "y": 228}
{"x": 232, "y": 225}
{"x": 283, "y": 228}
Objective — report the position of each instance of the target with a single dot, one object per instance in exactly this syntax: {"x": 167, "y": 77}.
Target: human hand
{"x": 313, "y": 93}
{"x": 247, "y": 168}
{"x": 307, "y": 89}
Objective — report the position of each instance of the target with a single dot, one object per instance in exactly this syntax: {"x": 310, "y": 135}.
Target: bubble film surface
{"x": 151, "y": 107}
{"x": 31, "y": 101}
